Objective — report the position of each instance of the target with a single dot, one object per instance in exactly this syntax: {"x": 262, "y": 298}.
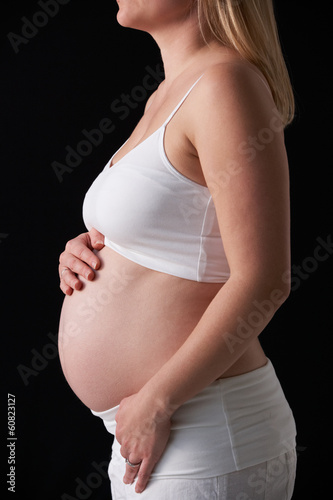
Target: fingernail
{"x": 94, "y": 264}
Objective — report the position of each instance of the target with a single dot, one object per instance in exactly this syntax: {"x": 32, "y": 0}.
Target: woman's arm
{"x": 237, "y": 133}
{"x": 240, "y": 144}
{"x": 79, "y": 259}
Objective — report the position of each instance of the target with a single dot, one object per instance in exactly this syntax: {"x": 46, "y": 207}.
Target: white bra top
{"x": 153, "y": 215}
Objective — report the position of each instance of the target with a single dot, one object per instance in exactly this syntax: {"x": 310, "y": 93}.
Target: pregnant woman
{"x": 184, "y": 263}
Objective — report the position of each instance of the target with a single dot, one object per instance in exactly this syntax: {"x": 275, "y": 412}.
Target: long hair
{"x": 249, "y": 26}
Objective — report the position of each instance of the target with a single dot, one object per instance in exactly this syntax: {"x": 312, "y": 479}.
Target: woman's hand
{"x": 143, "y": 430}
{"x": 79, "y": 259}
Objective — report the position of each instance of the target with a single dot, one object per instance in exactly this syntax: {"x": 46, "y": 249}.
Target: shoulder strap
{"x": 181, "y": 102}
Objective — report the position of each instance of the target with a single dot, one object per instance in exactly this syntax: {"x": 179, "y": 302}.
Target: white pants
{"x": 235, "y": 440}
{"x": 271, "y": 480}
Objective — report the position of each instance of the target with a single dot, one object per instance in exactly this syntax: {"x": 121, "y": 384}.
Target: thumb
{"x": 96, "y": 239}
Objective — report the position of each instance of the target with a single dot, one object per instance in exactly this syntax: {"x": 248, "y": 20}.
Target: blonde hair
{"x": 249, "y": 26}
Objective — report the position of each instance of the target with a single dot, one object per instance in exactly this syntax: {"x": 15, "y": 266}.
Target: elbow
{"x": 274, "y": 292}
{"x": 280, "y": 286}
{"x": 265, "y": 302}
{"x": 277, "y": 285}
{"x": 265, "y": 290}
{"x": 278, "y": 295}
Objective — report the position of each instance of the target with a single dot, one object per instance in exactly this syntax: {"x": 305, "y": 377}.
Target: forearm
{"x": 235, "y": 317}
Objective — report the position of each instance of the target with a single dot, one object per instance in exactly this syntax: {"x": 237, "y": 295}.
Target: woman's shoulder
{"x": 231, "y": 102}
{"x": 236, "y": 76}
{"x": 232, "y": 92}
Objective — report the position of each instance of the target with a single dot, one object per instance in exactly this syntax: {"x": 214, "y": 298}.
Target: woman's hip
{"x": 270, "y": 480}
{"x": 233, "y": 424}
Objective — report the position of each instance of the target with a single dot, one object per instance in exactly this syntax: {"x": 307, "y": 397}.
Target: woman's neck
{"x": 181, "y": 46}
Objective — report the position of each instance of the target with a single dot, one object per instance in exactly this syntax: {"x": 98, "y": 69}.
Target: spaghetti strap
{"x": 181, "y": 102}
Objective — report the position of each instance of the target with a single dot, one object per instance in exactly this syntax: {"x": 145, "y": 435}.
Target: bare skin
{"x": 150, "y": 341}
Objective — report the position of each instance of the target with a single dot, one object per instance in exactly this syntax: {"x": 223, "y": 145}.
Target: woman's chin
{"x": 128, "y": 20}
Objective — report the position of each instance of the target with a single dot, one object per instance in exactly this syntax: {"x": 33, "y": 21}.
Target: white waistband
{"x": 233, "y": 423}
{"x": 108, "y": 417}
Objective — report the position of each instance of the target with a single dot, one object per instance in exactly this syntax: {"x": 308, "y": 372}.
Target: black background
{"x": 61, "y": 82}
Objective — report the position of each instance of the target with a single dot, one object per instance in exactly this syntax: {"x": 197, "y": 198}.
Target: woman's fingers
{"x": 97, "y": 239}
{"x": 131, "y": 472}
{"x": 143, "y": 430}
{"x": 80, "y": 250}
{"x": 65, "y": 288}
{"x": 68, "y": 280}
{"x": 144, "y": 473}
{"x": 78, "y": 259}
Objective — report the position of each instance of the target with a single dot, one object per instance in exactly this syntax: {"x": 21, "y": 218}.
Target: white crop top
{"x": 153, "y": 215}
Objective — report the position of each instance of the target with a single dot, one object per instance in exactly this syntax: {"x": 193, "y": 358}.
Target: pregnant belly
{"x": 117, "y": 331}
